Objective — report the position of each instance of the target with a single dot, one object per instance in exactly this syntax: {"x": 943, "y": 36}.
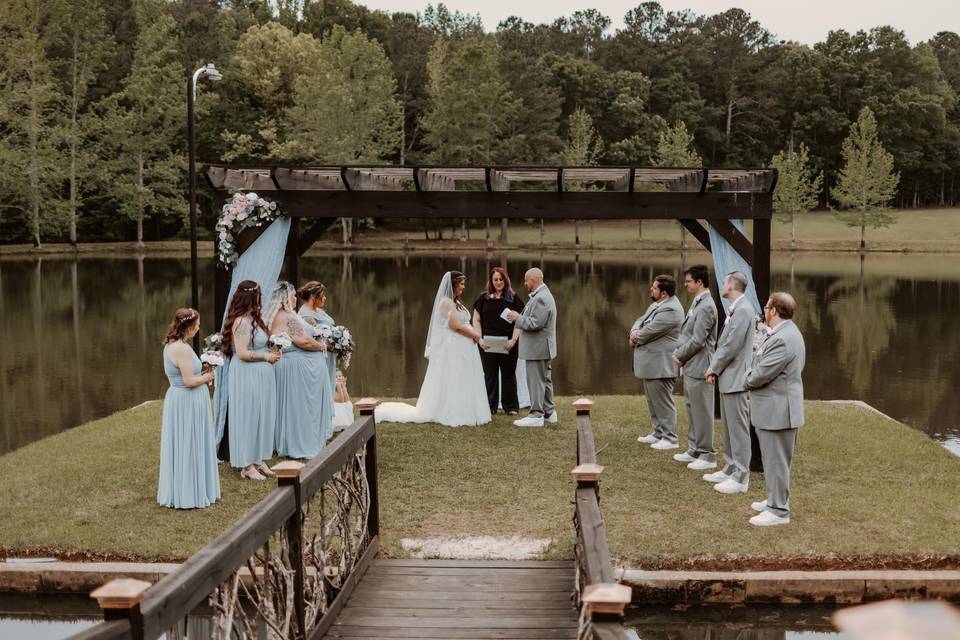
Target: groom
{"x": 538, "y": 346}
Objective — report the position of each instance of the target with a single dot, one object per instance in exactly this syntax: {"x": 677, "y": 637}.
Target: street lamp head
{"x": 211, "y": 72}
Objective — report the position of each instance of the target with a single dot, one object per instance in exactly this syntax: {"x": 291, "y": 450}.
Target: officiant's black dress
{"x": 499, "y": 369}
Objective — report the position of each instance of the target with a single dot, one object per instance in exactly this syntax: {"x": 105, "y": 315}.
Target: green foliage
{"x": 675, "y": 148}
{"x": 344, "y": 108}
{"x": 583, "y": 146}
{"x": 798, "y": 189}
{"x": 466, "y": 90}
{"x": 143, "y": 124}
{"x": 867, "y": 180}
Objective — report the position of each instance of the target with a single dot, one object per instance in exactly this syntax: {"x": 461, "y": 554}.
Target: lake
{"x": 81, "y": 338}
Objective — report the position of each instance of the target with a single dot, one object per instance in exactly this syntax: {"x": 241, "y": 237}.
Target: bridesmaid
{"x": 252, "y": 385}
{"x": 188, "y": 458}
{"x": 302, "y": 390}
{"x": 314, "y": 297}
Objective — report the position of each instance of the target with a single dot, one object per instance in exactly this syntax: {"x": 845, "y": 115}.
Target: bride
{"x": 453, "y": 391}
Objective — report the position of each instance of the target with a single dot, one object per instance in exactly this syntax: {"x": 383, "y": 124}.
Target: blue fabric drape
{"x": 726, "y": 259}
{"x": 261, "y": 263}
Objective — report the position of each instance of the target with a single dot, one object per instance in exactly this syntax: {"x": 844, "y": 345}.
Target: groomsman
{"x": 538, "y": 346}
{"x": 776, "y": 405}
{"x": 728, "y": 368}
{"x": 654, "y": 337}
{"x": 698, "y": 341}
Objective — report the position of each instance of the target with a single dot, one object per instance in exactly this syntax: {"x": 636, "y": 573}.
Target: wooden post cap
{"x": 607, "y": 597}
{"x": 587, "y": 472}
{"x": 121, "y": 593}
{"x": 367, "y": 405}
{"x": 583, "y": 406}
{"x": 288, "y": 469}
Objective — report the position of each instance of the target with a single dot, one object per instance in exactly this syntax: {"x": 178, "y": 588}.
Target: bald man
{"x": 538, "y": 347}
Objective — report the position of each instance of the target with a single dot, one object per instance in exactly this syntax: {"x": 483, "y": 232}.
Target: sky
{"x": 806, "y": 21}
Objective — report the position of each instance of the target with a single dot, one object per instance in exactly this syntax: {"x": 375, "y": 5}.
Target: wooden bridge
{"x": 301, "y": 564}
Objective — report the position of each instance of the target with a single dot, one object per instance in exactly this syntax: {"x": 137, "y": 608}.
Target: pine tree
{"x": 797, "y": 186}
{"x": 86, "y": 46}
{"x": 345, "y": 107}
{"x": 675, "y": 149}
{"x": 144, "y": 123}
{"x": 30, "y": 115}
{"x": 867, "y": 181}
{"x": 581, "y": 149}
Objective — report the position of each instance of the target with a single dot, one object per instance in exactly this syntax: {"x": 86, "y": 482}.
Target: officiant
{"x": 498, "y": 348}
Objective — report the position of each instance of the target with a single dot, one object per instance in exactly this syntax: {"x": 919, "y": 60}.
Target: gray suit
{"x": 776, "y": 407}
{"x": 538, "y": 346}
{"x": 729, "y": 362}
{"x": 698, "y": 341}
{"x": 657, "y": 332}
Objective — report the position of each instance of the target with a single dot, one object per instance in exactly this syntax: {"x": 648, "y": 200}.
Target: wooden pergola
{"x": 316, "y": 196}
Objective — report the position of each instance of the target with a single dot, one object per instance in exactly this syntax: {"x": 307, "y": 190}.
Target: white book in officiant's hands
{"x": 495, "y": 344}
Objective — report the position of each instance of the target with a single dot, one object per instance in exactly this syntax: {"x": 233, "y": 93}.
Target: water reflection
{"x": 81, "y": 338}
{"x": 717, "y": 622}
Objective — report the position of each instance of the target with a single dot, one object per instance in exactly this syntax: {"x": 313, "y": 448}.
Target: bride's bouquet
{"x": 212, "y": 357}
{"x": 279, "y": 341}
{"x": 339, "y": 340}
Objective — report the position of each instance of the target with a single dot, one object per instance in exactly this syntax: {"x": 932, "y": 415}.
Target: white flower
{"x": 213, "y": 358}
{"x": 252, "y": 197}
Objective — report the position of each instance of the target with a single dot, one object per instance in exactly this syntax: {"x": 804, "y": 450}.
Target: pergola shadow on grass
{"x": 867, "y": 493}
{"x": 316, "y": 196}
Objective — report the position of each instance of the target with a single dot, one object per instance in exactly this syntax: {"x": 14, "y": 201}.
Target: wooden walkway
{"x": 458, "y": 599}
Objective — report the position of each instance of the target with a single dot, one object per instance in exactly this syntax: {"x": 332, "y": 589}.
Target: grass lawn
{"x": 867, "y": 492}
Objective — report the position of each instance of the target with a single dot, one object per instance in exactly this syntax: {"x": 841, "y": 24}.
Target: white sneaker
{"x": 553, "y": 419}
{"x": 648, "y": 439}
{"x": 529, "y": 421}
{"x": 759, "y": 507}
{"x": 664, "y": 445}
{"x": 716, "y": 476}
{"x": 729, "y": 486}
{"x": 700, "y": 464}
{"x": 768, "y": 519}
{"x": 683, "y": 457}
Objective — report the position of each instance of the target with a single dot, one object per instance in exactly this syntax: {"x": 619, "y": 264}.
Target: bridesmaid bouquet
{"x": 212, "y": 356}
{"x": 279, "y": 341}
{"x": 339, "y": 340}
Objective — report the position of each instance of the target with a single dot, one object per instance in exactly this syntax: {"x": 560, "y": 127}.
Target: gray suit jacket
{"x": 735, "y": 349}
{"x": 659, "y": 330}
{"x": 538, "y": 340}
{"x": 775, "y": 382}
{"x": 698, "y": 337}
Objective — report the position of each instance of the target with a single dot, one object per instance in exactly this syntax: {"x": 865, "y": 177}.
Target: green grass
{"x": 919, "y": 230}
{"x": 867, "y": 492}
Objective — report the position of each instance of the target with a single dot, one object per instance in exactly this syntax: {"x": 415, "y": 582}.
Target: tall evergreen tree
{"x": 798, "y": 188}
{"x": 582, "y": 148}
{"x": 30, "y": 115}
{"x": 345, "y": 109}
{"x": 675, "y": 149}
{"x": 85, "y": 47}
{"x": 867, "y": 181}
{"x": 145, "y": 123}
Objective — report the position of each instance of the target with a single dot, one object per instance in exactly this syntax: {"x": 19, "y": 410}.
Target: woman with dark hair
{"x": 314, "y": 312}
{"x": 303, "y": 392}
{"x": 452, "y": 393}
{"x": 188, "y": 459}
{"x": 252, "y": 384}
{"x": 499, "y": 368}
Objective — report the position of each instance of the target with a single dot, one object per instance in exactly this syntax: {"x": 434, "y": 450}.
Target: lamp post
{"x": 208, "y": 71}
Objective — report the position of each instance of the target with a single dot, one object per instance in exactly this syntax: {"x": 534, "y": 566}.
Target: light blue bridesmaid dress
{"x": 330, "y": 362}
{"x": 253, "y": 407}
{"x": 188, "y": 457}
{"x": 302, "y": 396}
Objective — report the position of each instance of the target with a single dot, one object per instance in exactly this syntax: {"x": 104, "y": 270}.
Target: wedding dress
{"x": 453, "y": 391}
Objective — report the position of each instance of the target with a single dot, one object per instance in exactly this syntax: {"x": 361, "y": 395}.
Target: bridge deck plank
{"x": 461, "y": 600}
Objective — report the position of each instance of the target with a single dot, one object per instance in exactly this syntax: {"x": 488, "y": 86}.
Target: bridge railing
{"x": 600, "y": 598}
{"x": 287, "y": 566}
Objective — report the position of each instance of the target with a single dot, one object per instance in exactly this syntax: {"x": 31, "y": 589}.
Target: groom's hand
{"x": 512, "y": 315}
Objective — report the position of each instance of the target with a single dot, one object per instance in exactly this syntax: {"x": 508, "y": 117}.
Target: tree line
{"x": 93, "y": 122}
